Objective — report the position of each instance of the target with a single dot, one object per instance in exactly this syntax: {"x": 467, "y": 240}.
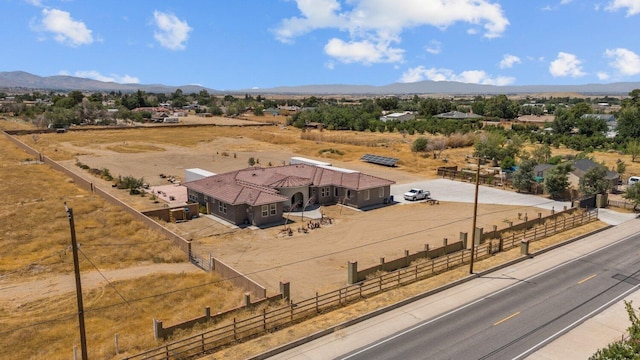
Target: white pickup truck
{"x": 416, "y": 194}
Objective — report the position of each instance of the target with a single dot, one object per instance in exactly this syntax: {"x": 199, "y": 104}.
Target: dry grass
{"x": 333, "y": 318}
{"x": 36, "y": 244}
{"x": 48, "y": 328}
{"x": 134, "y": 148}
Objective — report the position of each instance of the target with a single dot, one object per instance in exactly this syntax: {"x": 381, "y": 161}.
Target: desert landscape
{"x": 313, "y": 261}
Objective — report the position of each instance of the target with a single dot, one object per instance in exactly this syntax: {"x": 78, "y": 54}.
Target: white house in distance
{"x": 401, "y": 116}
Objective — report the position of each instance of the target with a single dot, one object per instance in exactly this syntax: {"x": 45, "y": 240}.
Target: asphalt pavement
{"x": 457, "y": 191}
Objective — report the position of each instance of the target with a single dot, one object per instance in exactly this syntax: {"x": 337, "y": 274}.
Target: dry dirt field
{"x": 312, "y": 262}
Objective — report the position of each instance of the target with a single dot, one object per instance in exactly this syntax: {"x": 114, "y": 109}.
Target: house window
{"x": 324, "y": 191}
{"x": 265, "y": 210}
{"x": 222, "y": 207}
{"x": 335, "y": 192}
{"x": 367, "y": 194}
{"x": 381, "y": 192}
{"x": 273, "y": 209}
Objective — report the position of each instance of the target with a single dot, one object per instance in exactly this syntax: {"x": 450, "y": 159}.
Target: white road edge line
{"x": 374, "y": 345}
{"x": 552, "y": 337}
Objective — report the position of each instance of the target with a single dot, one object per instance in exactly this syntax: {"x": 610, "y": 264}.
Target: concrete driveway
{"x": 457, "y": 191}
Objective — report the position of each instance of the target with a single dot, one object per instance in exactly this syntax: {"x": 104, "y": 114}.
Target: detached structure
{"x": 260, "y": 196}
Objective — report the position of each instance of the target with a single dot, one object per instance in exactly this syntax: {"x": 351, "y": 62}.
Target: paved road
{"x": 505, "y": 314}
{"x": 512, "y": 322}
{"x": 457, "y": 191}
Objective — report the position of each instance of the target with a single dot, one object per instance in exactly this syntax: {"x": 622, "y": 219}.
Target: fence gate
{"x": 202, "y": 262}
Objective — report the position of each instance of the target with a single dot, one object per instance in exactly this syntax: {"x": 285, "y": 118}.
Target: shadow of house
{"x": 260, "y": 196}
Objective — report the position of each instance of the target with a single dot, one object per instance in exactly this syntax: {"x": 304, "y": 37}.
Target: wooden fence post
{"x": 235, "y": 327}
{"x": 264, "y": 318}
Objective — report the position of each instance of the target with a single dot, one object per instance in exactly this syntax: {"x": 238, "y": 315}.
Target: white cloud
{"x": 625, "y": 61}
{"x": 434, "y": 47}
{"x": 65, "y": 29}
{"x": 377, "y": 24}
{"x": 172, "y": 33}
{"x": 566, "y": 65}
{"x": 603, "y": 75}
{"x": 508, "y": 61}
{"x": 37, "y": 3}
{"x": 95, "y": 75}
{"x": 365, "y": 52}
{"x": 632, "y": 6}
{"x": 470, "y": 76}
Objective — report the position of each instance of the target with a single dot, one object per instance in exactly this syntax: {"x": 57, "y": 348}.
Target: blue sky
{"x": 242, "y": 44}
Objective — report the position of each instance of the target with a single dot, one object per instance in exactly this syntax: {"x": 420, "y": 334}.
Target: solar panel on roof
{"x": 380, "y": 160}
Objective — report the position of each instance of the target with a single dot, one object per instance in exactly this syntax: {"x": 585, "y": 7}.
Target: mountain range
{"x": 23, "y": 81}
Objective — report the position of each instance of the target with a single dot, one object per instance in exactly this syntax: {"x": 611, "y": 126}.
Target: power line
{"x": 104, "y": 277}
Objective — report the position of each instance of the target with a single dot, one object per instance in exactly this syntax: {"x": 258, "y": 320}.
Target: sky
{"x": 253, "y": 44}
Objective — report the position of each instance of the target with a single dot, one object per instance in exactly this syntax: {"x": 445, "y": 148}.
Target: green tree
{"x": 420, "y": 144}
{"x": 541, "y": 154}
{"x": 633, "y": 149}
{"x": 579, "y": 109}
{"x": 556, "y": 182}
{"x": 629, "y": 122}
{"x": 489, "y": 146}
{"x": 594, "y": 181}
{"x": 633, "y": 194}
{"x": 591, "y": 125}
{"x": 563, "y": 122}
{"x": 523, "y": 178}
{"x": 507, "y": 163}
{"x": 627, "y": 348}
{"x": 252, "y": 161}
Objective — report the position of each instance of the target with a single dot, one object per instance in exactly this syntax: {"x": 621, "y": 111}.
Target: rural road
{"x": 510, "y": 313}
{"x": 55, "y": 285}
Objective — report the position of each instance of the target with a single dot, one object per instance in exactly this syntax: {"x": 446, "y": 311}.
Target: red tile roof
{"x": 258, "y": 186}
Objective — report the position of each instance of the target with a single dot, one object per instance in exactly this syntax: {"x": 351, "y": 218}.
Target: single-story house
{"x": 458, "y": 115}
{"x": 540, "y": 171}
{"x": 580, "y": 167}
{"x": 261, "y": 196}
{"x": 401, "y": 116}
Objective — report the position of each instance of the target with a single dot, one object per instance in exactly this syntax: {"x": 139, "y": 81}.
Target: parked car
{"x": 416, "y": 194}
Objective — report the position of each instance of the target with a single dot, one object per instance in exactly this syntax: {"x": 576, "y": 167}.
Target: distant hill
{"x": 20, "y": 80}
{"x": 23, "y": 80}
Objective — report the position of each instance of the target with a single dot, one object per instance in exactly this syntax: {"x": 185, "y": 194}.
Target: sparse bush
{"x": 331, "y": 151}
{"x": 419, "y": 144}
{"x": 82, "y": 166}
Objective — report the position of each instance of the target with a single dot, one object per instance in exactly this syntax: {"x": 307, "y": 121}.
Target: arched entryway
{"x": 297, "y": 201}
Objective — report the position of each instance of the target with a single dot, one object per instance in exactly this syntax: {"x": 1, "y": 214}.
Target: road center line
{"x": 586, "y": 279}
{"x": 507, "y": 318}
{"x": 483, "y": 298}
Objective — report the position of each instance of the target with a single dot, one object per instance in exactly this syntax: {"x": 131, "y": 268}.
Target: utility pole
{"x": 475, "y": 216}
{"x": 76, "y": 268}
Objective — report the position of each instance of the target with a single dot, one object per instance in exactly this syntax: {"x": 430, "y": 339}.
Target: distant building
{"x": 401, "y": 116}
{"x": 458, "y": 115}
{"x": 610, "y": 119}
